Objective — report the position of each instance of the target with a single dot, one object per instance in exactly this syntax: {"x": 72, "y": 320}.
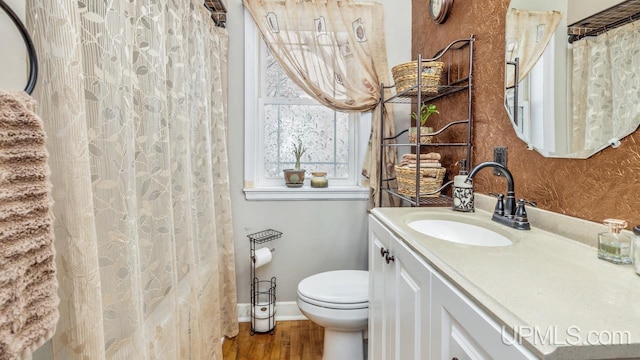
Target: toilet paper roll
{"x": 262, "y": 256}
{"x": 264, "y": 318}
{"x": 264, "y": 311}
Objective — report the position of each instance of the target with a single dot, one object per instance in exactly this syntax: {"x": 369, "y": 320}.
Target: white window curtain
{"x": 528, "y": 33}
{"x": 132, "y": 95}
{"x": 336, "y": 52}
{"x": 605, "y": 86}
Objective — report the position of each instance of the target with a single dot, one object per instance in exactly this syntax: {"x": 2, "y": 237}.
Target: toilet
{"x": 339, "y": 302}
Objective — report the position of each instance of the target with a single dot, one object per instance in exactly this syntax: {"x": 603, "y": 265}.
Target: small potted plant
{"x": 295, "y": 177}
{"x": 425, "y": 112}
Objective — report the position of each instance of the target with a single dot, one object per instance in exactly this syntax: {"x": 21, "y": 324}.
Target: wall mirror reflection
{"x": 577, "y": 86}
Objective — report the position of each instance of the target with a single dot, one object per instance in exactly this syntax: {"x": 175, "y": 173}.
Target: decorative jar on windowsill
{"x": 319, "y": 179}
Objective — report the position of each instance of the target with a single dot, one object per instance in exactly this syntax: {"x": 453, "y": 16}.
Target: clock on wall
{"x": 439, "y": 10}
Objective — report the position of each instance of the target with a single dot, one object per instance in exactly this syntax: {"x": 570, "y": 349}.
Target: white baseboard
{"x": 285, "y": 311}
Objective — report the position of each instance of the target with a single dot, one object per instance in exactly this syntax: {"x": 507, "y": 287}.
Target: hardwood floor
{"x": 292, "y": 340}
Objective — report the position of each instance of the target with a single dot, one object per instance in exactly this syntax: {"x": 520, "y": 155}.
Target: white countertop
{"x": 545, "y": 284}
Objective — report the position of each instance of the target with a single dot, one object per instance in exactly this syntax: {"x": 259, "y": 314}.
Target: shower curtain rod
{"x": 608, "y": 19}
{"x": 218, "y": 12}
{"x": 33, "y": 59}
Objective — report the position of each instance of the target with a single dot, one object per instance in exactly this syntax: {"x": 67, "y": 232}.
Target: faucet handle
{"x": 494, "y": 194}
{"x": 521, "y": 213}
{"x": 499, "y": 210}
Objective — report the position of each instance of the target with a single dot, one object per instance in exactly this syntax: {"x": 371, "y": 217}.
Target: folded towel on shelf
{"x": 422, "y": 162}
{"x": 28, "y": 284}
{"x": 426, "y": 165}
{"x": 429, "y": 156}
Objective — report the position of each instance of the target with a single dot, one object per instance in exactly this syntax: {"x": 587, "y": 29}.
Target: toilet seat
{"x": 339, "y": 289}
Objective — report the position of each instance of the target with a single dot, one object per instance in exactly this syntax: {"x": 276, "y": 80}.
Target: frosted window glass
{"x": 324, "y": 132}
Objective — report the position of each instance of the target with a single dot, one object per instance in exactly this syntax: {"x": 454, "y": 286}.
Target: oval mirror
{"x": 571, "y": 100}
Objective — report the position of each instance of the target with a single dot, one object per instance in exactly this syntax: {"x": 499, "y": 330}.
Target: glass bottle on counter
{"x": 613, "y": 246}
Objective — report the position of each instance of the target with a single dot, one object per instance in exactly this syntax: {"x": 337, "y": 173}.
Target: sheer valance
{"x": 527, "y": 35}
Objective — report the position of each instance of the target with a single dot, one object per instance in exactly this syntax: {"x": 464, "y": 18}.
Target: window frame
{"x": 259, "y": 187}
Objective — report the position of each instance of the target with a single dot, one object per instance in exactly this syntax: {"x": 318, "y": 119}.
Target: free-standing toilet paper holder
{"x": 263, "y": 292}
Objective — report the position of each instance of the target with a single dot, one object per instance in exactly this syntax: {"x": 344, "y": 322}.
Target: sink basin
{"x": 459, "y": 232}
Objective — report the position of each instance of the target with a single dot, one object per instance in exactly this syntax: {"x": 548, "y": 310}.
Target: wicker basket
{"x": 405, "y": 77}
{"x": 430, "y": 180}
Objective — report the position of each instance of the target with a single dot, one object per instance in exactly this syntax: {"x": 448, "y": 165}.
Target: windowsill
{"x": 307, "y": 193}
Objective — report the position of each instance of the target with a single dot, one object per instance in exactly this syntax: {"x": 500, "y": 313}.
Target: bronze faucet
{"x": 506, "y": 212}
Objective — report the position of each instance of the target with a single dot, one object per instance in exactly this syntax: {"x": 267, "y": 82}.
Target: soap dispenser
{"x": 462, "y": 191}
{"x": 613, "y": 245}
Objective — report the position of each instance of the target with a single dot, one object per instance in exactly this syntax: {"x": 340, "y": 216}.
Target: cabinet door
{"x": 411, "y": 309}
{"x": 460, "y": 330}
{"x": 379, "y": 293}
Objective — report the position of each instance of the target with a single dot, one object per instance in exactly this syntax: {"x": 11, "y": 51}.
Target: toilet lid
{"x": 340, "y": 288}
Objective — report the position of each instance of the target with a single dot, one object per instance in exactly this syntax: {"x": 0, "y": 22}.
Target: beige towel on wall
{"x": 28, "y": 285}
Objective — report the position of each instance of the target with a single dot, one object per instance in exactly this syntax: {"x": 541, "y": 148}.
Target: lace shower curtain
{"x": 132, "y": 97}
{"x": 605, "y": 87}
{"x": 335, "y": 51}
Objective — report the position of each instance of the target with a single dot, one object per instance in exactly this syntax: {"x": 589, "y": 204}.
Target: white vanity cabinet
{"x": 415, "y": 313}
{"x": 399, "y": 285}
{"x": 461, "y": 330}
{"x": 379, "y": 347}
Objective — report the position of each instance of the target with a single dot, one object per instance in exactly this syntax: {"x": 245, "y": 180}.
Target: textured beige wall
{"x": 607, "y": 185}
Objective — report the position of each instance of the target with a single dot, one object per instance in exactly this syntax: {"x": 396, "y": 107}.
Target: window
{"x": 536, "y": 103}
{"x": 277, "y": 113}
{"x": 288, "y": 113}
